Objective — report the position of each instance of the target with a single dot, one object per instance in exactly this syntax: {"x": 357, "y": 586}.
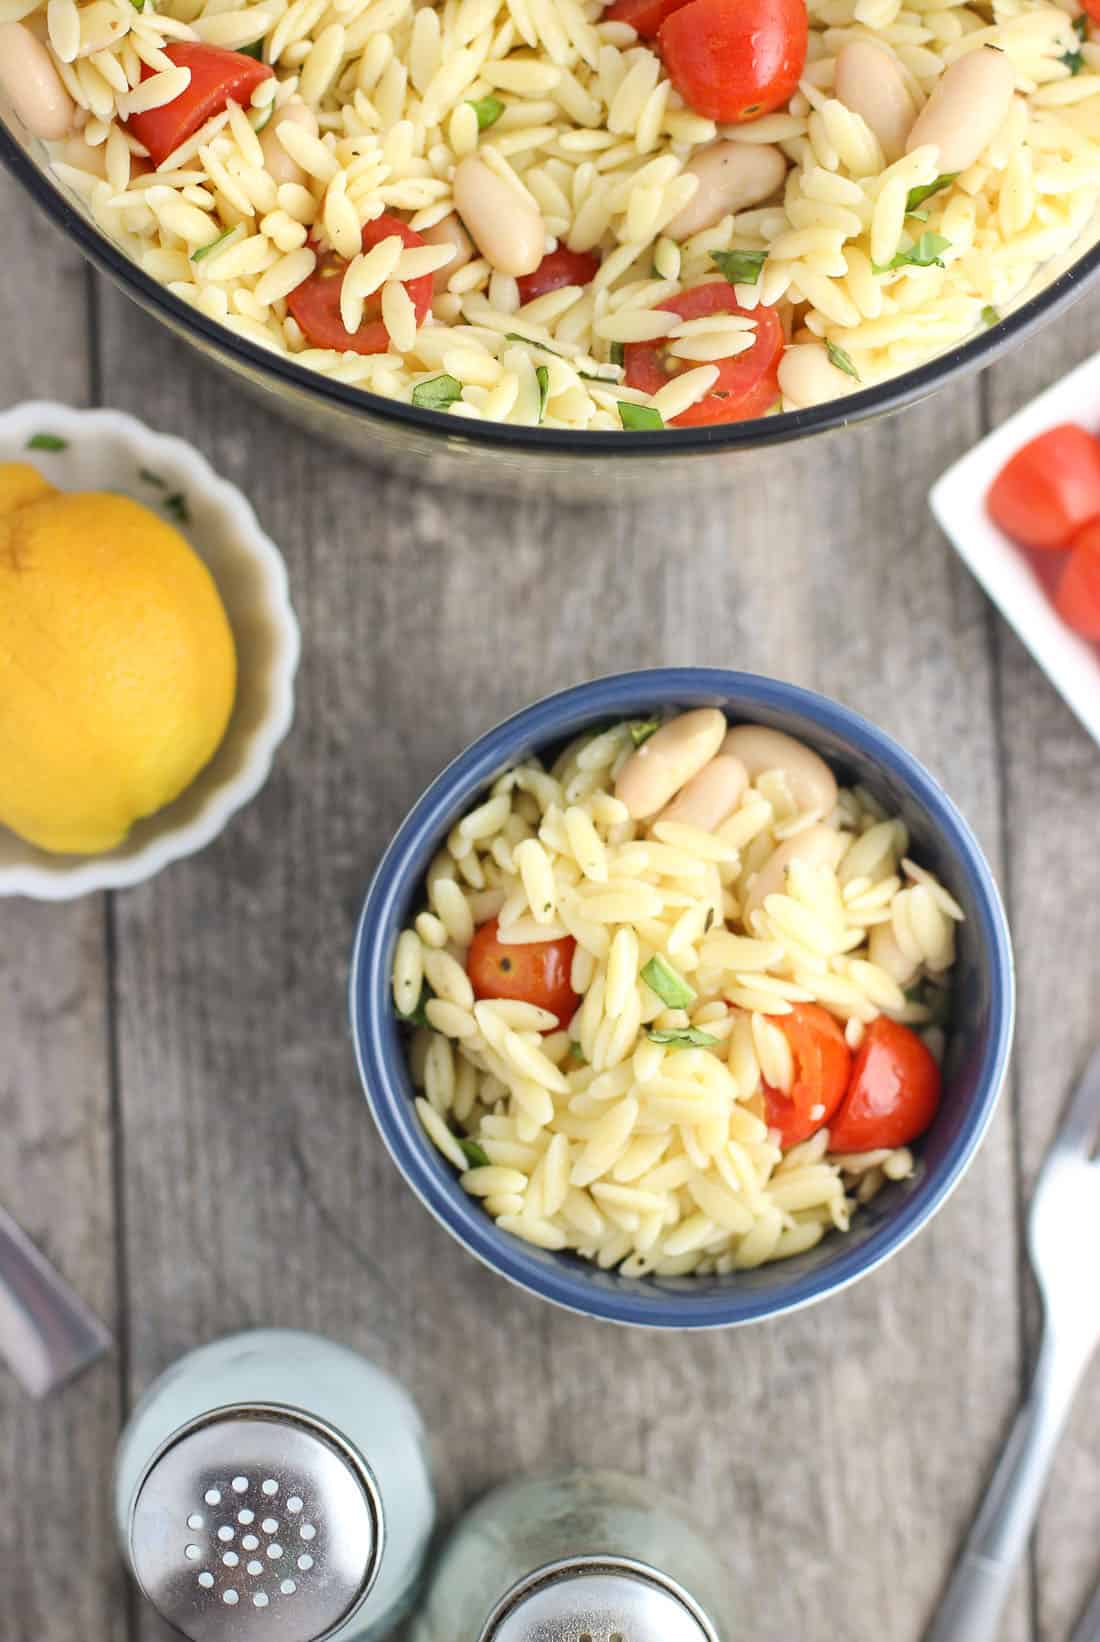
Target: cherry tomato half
{"x": 894, "y": 1093}
{"x": 1092, "y": 9}
{"x": 822, "y": 1064}
{"x": 561, "y": 267}
{"x": 734, "y": 60}
{"x": 747, "y": 385}
{"x": 536, "y": 972}
{"x": 217, "y": 77}
{"x": 646, "y": 16}
{"x": 1049, "y": 489}
{"x": 315, "y": 303}
{"x": 1077, "y": 599}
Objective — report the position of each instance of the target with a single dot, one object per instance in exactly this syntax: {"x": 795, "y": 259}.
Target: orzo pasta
{"x": 552, "y": 211}
{"x": 676, "y": 1003}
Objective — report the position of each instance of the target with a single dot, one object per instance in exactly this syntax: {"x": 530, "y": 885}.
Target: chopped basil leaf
{"x": 205, "y": 250}
{"x": 990, "y": 316}
{"x": 593, "y": 376}
{"x": 1074, "y": 61}
{"x": 670, "y": 987}
{"x": 919, "y": 216}
{"x": 1081, "y": 25}
{"x": 256, "y": 50}
{"x": 642, "y": 732}
{"x": 476, "y": 1156}
{"x": 437, "y": 394}
{"x": 542, "y": 377}
{"x": 176, "y": 505}
{"x": 634, "y": 418}
{"x": 152, "y": 478}
{"x": 577, "y": 1053}
{"x": 926, "y": 253}
{"x": 143, "y": 5}
{"x": 529, "y": 341}
{"x": 487, "y": 109}
{"x": 418, "y": 1016}
{"x": 687, "y": 1036}
{"x": 917, "y": 196}
{"x": 47, "y": 441}
{"x": 739, "y": 267}
{"x": 616, "y": 354}
{"x": 841, "y": 360}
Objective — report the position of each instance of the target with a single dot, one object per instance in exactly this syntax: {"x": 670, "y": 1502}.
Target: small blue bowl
{"x": 977, "y": 1052}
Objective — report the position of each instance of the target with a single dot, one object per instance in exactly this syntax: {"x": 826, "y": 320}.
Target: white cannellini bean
{"x": 966, "y": 109}
{"x": 732, "y": 177}
{"x": 807, "y": 376}
{"x": 667, "y": 761}
{"x": 817, "y": 846}
{"x": 449, "y": 231}
{"x": 711, "y": 795}
{"x": 33, "y": 85}
{"x": 870, "y": 83}
{"x": 809, "y": 779}
{"x": 506, "y": 228}
{"x": 278, "y": 162}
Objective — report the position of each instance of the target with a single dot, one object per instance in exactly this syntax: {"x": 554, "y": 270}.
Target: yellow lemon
{"x": 20, "y": 484}
{"x": 117, "y": 666}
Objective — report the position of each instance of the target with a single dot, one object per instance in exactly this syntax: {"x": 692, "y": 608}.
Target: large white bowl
{"x": 107, "y": 450}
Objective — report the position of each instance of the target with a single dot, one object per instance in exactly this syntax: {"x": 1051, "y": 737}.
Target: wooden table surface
{"x": 182, "y": 1128}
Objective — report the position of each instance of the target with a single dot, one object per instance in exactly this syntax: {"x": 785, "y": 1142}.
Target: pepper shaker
{"x": 275, "y": 1485}
{"x": 588, "y": 1556}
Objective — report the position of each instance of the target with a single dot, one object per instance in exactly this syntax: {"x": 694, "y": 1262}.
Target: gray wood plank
{"x": 1052, "y": 786}
{"x": 60, "y": 1576}
{"x": 256, "y": 1189}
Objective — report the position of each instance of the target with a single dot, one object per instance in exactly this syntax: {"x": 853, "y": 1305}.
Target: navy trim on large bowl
{"x": 563, "y": 1279}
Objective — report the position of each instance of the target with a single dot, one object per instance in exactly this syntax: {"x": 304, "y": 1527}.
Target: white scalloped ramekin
{"x": 107, "y": 450}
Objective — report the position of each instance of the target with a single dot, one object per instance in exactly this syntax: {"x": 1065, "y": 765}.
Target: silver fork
{"x": 1063, "y": 1236}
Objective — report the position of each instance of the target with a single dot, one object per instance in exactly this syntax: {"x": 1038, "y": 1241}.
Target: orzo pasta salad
{"x": 676, "y": 1003}
{"x": 561, "y": 212}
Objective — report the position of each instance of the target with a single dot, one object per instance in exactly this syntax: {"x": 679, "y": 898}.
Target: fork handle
{"x": 975, "y": 1599}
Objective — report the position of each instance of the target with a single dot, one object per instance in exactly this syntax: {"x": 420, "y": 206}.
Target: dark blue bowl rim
{"x": 395, "y": 1116}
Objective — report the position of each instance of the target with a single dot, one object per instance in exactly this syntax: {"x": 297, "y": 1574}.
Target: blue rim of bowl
{"x": 893, "y": 394}
{"x": 542, "y": 724}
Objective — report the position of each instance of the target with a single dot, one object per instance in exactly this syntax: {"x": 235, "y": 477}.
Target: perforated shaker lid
{"x": 598, "y": 1599}
{"x": 254, "y": 1523}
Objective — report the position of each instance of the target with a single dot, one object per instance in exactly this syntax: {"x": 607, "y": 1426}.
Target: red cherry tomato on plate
{"x": 315, "y": 303}
{"x": 558, "y": 268}
{"x": 217, "y": 77}
{"x": 536, "y": 972}
{"x": 645, "y": 16}
{"x": 1077, "y": 599}
{"x": 894, "y": 1093}
{"x": 734, "y": 60}
{"x": 1051, "y": 488}
{"x": 747, "y": 385}
{"x": 822, "y": 1063}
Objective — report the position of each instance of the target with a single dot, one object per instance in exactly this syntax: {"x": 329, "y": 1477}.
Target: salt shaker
{"x": 275, "y": 1485}
{"x": 588, "y": 1556}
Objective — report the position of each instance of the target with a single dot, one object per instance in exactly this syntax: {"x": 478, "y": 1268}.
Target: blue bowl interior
{"x": 978, "y": 1041}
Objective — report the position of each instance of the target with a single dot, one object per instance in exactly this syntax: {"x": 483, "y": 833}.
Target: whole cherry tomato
{"x": 748, "y": 383}
{"x": 822, "y": 1064}
{"x": 1051, "y": 488}
{"x": 218, "y": 76}
{"x": 645, "y": 16}
{"x": 734, "y": 60}
{"x": 535, "y": 972}
{"x": 894, "y": 1093}
{"x": 315, "y": 303}
{"x": 558, "y": 268}
{"x": 1077, "y": 599}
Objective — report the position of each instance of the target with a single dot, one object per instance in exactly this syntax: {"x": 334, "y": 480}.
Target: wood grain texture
{"x": 58, "y": 1571}
{"x": 256, "y": 1189}
{"x": 1052, "y": 793}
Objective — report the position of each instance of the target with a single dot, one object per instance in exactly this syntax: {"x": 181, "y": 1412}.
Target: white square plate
{"x": 958, "y": 502}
